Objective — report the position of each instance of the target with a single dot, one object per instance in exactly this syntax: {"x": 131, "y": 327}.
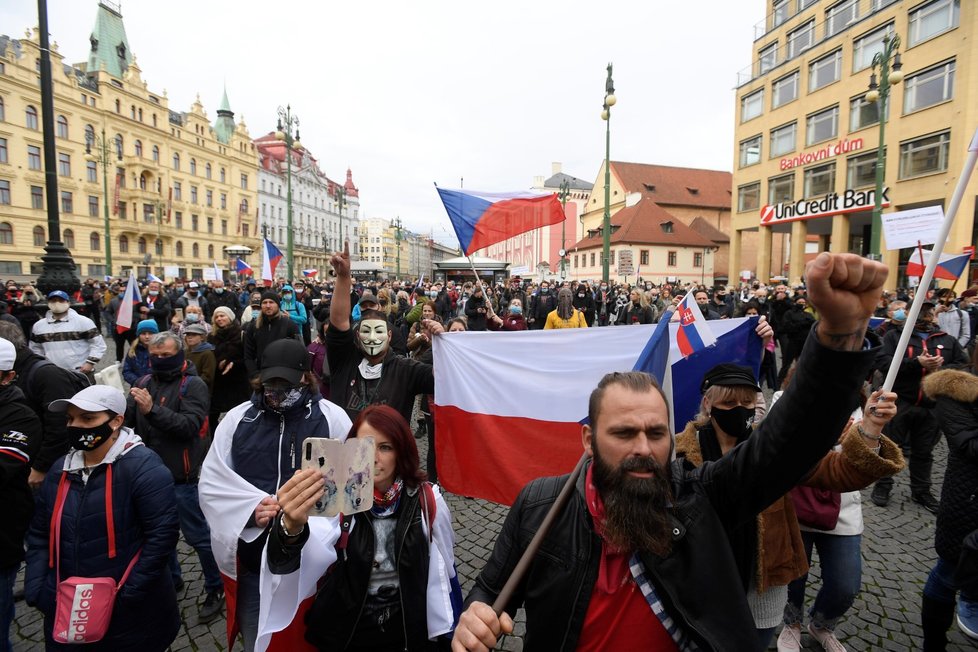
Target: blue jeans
{"x": 249, "y": 602}
{"x": 8, "y": 576}
{"x": 941, "y": 586}
{"x": 198, "y": 537}
{"x": 840, "y": 559}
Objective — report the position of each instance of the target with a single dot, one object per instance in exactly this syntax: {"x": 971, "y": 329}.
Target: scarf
{"x": 385, "y": 504}
{"x": 613, "y": 567}
{"x": 370, "y": 371}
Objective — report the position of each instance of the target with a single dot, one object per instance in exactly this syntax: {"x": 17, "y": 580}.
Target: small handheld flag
{"x": 309, "y": 273}
{"x": 243, "y": 268}
{"x": 694, "y": 333}
{"x": 949, "y": 266}
{"x": 124, "y": 317}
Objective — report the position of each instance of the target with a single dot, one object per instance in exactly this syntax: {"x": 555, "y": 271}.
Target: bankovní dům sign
{"x": 850, "y": 201}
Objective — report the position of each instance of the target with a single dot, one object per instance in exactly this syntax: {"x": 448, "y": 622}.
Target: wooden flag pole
{"x": 935, "y": 256}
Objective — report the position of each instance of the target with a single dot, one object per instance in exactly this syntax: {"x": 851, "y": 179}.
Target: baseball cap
{"x": 195, "y": 329}
{"x": 58, "y": 294}
{"x": 97, "y": 398}
{"x": 7, "y": 355}
{"x": 192, "y": 284}
{"x": 729, "y": 375}
{"x": 368, "y": 297}
{"x": 286, "y": 359}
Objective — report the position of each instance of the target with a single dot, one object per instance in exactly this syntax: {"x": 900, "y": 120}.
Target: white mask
{"x": 58, "y": 307}
{"x": 374, "y": 336}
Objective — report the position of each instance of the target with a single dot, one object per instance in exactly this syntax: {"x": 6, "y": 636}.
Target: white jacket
{"x": 69, "y": 341}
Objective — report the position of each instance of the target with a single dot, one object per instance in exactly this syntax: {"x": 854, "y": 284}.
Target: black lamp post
{"x": 889, "y": 74}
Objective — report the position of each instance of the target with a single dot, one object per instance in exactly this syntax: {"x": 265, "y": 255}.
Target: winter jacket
{"x": 295, "y": 310}
{"x": 260, "y": 333}
{"x": 69, "y": 341}
{"x": 475, "y": 312}
{"x": 636, "y": 315}
{"x": 230, "y": 388}
{"x": 228, "y": 299}
{"x": 585, "y": 304}
{"x": 795, "y": 326}
{"x": 176, "y": 426}
{"x": 205, "y": 362}
{"x": 956, "y": 396}
{"x": 511, "y": 322}
{"x": 697, "y": 580}
{"x": 136, "y": 363}
{"x": 911, "y": 373}
{"x": 20, "y": 439}
{"x": 957, "y": 323}
{"x": 576, "y": 320}
{"x": 144, "y": 515}
{"x": 184, "y": 300}
{"x": 47, "y": 383}
{"x": 159, "y": 309}
{"x": 540, "y": 307}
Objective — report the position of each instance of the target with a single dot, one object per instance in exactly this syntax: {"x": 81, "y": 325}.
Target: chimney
{"x": 538, "y": 182}
{"x": 555, "y": 167}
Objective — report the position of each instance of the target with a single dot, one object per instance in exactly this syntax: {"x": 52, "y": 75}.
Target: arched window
{"x": 156, "y": 153}
{"x": 132, "y": 111}
{"x": 142, "y": 180}
{"x": 193, "y": 166}
{"x": 118, "y": 106}
{"x": 69, "y": 238}
{"x": 94, "y": 241}
{"x": 38, "y": 236}
{"x": 139, "y": 148}
{"x": 176, "y": 162}
{"x": 222, "y": 175}
{"x": 141, "y": 245}
{"x": 159, "y": 247}
{"x": 6, "y": 233}
{"x": 195, "y": 250}
{"x": 31, "y": 117}
{"x": 123, "y": 244}
{"x": 62, "y": 127}
{"x": 210, "y": 252}
{"x": 179, "y": 248}
{"x": 244, "y": 206}
{"x": 207, "y": 170}
{"x": 3, "y": 114}
{"x": 119, "y": 143}
{"x": 154, "y": 119}
{"x": 89, "y": 135}
{"x": 140, "y": 115}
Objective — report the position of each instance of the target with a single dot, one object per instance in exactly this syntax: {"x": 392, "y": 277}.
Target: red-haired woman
{"x": 394, "y": 585}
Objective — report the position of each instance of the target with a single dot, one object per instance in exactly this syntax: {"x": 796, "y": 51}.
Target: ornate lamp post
{"x": 879, "y": 92}
{"x": 609, "y": 101}
{"x": 562, "y": 194}
{"x": 396, "y": 225}
{"x": 340, "y": 196}
{"x": 287, "y": 121}
{"x": 101, "y": 156}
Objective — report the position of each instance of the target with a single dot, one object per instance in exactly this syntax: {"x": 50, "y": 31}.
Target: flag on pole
{"x": 243, "y": 268}
{"x": 309, "y": 273}
{"x": 949, "y": 266}
{"x": 694, "y": 333}
{"x": 153, "y": 277}
{"x": 481, "y": 219}
{"x": 270, "y": 261}
{"x": 124, "y": 318}
{"x": 218, "y": 276}
{"x": 638, "y": 273}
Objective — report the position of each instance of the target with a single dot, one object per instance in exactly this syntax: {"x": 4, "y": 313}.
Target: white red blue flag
{"x": 153, "y": 277}
{"x": 243, "y": 268}
{"x": 694, "y": 334}
{"x": 270, "y": 260}
{"x": 309, "y": 273}
{"x": 123, "y": 319}
{"x": 949, "y": 267}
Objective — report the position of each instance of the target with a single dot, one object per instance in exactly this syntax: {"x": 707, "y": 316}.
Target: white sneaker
{"x": 790, "y": 638}
{"x": 826, "y": 638}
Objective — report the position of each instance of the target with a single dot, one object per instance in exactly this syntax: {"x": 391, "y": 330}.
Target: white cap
{"x": 193, "y": 284}
{"x": 97, "y": 398}
{"x": 7, "y": 355}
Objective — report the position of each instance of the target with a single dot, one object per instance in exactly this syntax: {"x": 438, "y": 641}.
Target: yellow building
{"x": 806, "y": 138}
{"x": 180, "y": 189}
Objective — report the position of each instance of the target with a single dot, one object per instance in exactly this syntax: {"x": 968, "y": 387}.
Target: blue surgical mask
{"x": 516, "y": 310}
{"x": 192, "y": 318}
{"x": 900, "y": 315}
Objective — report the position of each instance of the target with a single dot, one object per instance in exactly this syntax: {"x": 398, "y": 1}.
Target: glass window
{"x": 841, "y": 15}
{"x": 751, "y": 105}
{"x": 193, "y": 166}
{"x": 91, "y": 171}
{"x": 749, "y": 197}
{"x": 824, "y": 71}
{"x": 804, "y": 4}
{"x": 176, "y": 162}
{"x": 209, "y": 198}
{"x": 3, "y": 150}
{"x": 801, "y": 39}
{"x": 820, "y": 180}
{"x": 193, "y": 194}
{"x": 863, "y": 114}
{"x": 69, "y": 238}
{"x": 195, "y": 250}
{"x": 89, "y": 135}
{"x": 37, "y": 197}
{"x": 158, "y": 247}
{"x": 4, "y": 192}
{"x": 123, "y": 244}
{"x": 929, "y": 87}
{"x": 932, "y": 19}
{"x": 821, "y": 126}
{"x": 781, "y": 12}
{"x": 141, "y": 245}
{"x": 750, "y": 151}
{"x": 194, "y": 222}
{"x": 244, "y": 181}
{"x": 222, "y": 175}
{"x": 139, "y": 148}
{"x": 31, "y": 117}
{"x": 178, "y": 219}
{"x": 156, "y": 153}
{"x": 224, "y": 200}
{"x": 924, "y": 155}
{"x": 178, "y": 247}
{"x": 784, "y": 90}
{"x": 6, "y": 233}
{"x": 643, "y": 257}
{"x": 64, "y": 164}
{"x": 210, "y": 225}
{"x": 3, "y": 114}
{"x": 783, "y": 139}
{"x": 697, "y": 259}
{"x": 177, "y": 191}
{"x": 67, "y": 204}
{"x": 33, "y": 157}
{"x": 210, "y": 252}
{"x": 62, "y": 127}
{"x": 781, "y": 189}
{"x": 38, "y": 234}
{"x": 207, "y": 170}
{"x": 767, "y": 58}
{"x": 866, "y": 47}
{"x": 861, "y": 170}
{"x": 94, "y": 241}
{"x": 93, "y": 205}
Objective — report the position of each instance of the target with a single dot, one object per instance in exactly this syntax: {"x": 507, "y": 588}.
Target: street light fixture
{"x": 562, "y": 194}
{"x": 879, "y": 93}
{"x": 101, "y": 156}
{"x": 609, "y": 101}
{"x": 339, "y": 195}
{"x": 396, "y": 225}
{"x": 287, "y": 121}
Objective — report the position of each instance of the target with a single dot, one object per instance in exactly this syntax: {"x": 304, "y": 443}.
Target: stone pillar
{"x": 764, "y": 242}
{"x": 733, "y": 261}
{"x": 823, "y": 242}
{"x": 840, "y": 234}
{"x": 796, "y": 261}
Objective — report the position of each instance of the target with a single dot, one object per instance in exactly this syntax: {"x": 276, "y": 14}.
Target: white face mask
{"x": 373, "y": 336}
{"x": 58, "y": 307}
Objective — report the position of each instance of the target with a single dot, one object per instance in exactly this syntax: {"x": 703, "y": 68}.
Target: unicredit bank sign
{"x": 851, "y": 201}
{"x": 844, "y": 146}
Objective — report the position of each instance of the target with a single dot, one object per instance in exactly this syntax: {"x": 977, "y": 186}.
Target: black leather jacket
{"x": 698, "y": 580}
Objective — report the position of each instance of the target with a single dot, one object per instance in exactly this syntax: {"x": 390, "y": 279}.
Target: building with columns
{"x": 179, "y": 186}
{"x": 806, "y": 138}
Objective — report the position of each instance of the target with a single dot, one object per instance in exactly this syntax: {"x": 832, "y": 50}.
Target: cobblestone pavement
{"x": 897, "y": 555}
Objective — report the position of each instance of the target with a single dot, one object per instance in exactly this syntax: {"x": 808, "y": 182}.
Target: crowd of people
{"x": 696, "y": 540}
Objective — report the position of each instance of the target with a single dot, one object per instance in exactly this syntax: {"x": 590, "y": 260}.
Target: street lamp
{"x": 287, "y": 121}
{"x": 101, "y": 156}
{"x": 879, "y": 93}
{"x": 609, "y": 101}
{"x": 396, "y": 225}
{"x": 339, "y": 195}
{"x": 562, "y": 194}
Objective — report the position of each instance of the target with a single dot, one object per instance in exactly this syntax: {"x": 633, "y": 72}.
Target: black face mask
{"x": 88, "y": 439}
{"x": 166, "y": 366}
{"x": 737, "y": 422}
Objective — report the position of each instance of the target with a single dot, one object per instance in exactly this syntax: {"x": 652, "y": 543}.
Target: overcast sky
{"x": 410, "y": 93}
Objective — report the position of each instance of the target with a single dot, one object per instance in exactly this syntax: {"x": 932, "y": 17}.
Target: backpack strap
{"x": 54, "y": 535}
{"x": 109, "y": 514}
{"x": 345, "y": 522}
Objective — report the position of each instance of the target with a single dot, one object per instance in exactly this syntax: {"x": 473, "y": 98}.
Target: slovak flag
{"x": 243, "y": 268}
{"x": 269, "y": 261}
{"x": 949, "y": 267}
{"x": 309, "y": 272}
{"x": 124, "y": 318}
{"x": 481, "y": 219}
{"x": 694, "y": 334}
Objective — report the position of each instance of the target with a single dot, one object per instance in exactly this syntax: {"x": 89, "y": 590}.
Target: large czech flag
{"x": 481, "y": 219}
{"x": 270, "y": 260}
{"x": 125, "y": 316}
{"x": 949, "y": 267}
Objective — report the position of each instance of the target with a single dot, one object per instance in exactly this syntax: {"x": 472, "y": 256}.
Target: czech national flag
{"x": 309, "y": 272}
{"x": 481, "y": 219}
{"x": 124, "y": 318}
{"x": 243, "y": 268}
{"x": 949, "y": 267}
{"x": 269, "y": 261}
{"x": 694, "y": 333}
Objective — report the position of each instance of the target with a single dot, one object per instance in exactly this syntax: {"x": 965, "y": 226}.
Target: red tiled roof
{"x": 708, "y": 231}
{"x": 672, "y": 186}
{"x": 642, "y": 224}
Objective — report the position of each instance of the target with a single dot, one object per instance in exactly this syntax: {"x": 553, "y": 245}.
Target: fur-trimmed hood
{"x": 958, "y": 385}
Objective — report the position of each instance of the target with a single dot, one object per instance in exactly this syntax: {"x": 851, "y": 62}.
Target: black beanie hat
{"x": 271, "y": 296}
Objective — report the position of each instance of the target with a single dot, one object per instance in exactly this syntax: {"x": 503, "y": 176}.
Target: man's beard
{"x": 636, "y": 515}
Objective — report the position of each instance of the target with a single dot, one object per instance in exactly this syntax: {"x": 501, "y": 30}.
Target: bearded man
{"x": 639, "y": 558}
{"x": 364, "y": 370}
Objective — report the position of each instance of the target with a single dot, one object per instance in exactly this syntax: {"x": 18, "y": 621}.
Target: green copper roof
{"x": 110, "y": 48}
{"x": 225, "y": 105}
{"x": 224, "y": 125}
